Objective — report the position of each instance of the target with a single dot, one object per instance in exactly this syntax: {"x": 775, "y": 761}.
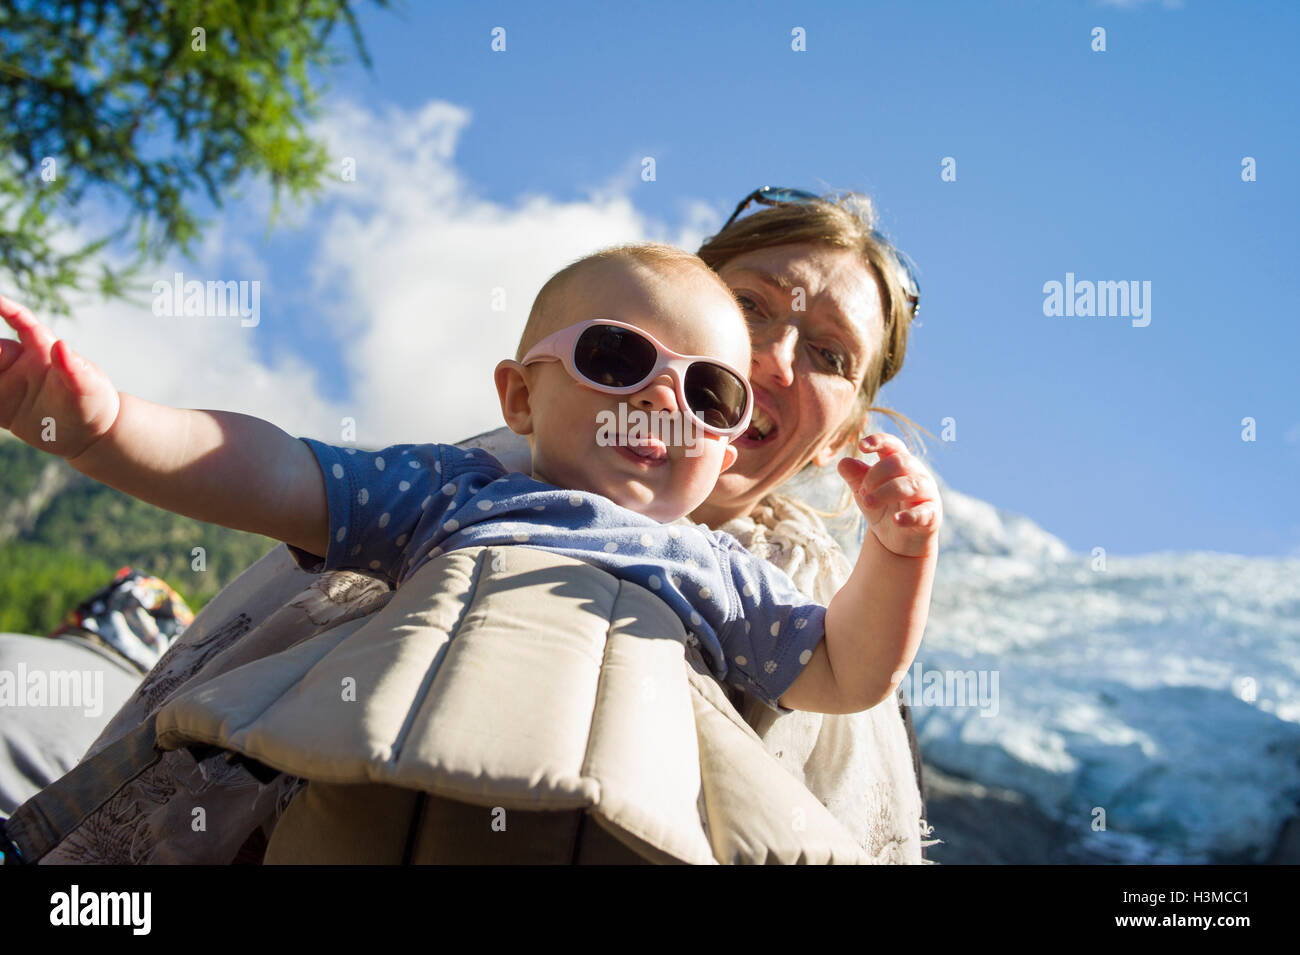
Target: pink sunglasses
{"x": 621, "y": 359}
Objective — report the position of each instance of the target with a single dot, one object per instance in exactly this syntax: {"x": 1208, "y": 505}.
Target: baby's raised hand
{"x": 898, "y": 496}
{"x": 50, "y": 396}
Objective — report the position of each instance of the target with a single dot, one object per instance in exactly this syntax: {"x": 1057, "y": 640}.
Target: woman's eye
{"x": 747, "y": 306}
{"x": 834, "y": 360}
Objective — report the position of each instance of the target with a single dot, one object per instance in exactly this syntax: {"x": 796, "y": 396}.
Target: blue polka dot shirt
{"x": 391, "y": 511}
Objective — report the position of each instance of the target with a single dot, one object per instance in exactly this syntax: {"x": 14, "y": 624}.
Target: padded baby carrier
{"x": 505, "y": 704}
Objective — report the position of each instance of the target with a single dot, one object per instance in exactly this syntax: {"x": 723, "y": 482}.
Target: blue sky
{"x": 1117, "y": 165}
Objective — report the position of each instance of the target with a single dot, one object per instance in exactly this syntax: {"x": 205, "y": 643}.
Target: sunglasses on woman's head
{"x": 621, "y": 359}
{"x": 780, "y": 195}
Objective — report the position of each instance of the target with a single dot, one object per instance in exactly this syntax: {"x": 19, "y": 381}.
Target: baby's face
{"x": 686, "y": 313}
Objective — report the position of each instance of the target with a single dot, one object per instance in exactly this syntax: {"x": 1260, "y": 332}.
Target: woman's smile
{"x": 763, "y": 425}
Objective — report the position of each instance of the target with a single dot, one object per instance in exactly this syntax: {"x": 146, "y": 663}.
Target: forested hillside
{"x": 63, "y": 536}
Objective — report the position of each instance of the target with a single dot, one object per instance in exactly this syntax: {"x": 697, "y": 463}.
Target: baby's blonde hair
{"x": 544, "y": 318}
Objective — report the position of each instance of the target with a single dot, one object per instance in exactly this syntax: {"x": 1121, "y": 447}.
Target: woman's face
{"x": 816, "y": 319}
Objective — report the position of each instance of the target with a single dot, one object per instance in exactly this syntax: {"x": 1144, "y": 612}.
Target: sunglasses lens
{"x": 781, "y": 194}
{"x": 904, "y": 270}
{"x": 907, "y": 278}
{"x": 612, "y": 356}
{"x": 715, "y": 395}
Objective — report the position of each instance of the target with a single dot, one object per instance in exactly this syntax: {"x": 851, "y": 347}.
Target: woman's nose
{"x": 774, "y": 355}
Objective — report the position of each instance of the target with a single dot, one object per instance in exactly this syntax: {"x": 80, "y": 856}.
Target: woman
{"x": 830, "y": 305}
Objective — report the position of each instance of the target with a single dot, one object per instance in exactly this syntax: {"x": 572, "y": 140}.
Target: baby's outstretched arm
{"x": 875, "y": 622}
{"x": 215, "y": 466}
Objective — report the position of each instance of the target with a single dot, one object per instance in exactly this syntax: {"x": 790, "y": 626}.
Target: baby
{"x": 647, "y": 326}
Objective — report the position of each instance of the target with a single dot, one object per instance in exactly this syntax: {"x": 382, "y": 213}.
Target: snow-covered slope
{"x": 1163, "y": 689}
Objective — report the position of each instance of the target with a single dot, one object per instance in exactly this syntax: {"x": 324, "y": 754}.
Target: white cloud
{"x": 410, "y": 259}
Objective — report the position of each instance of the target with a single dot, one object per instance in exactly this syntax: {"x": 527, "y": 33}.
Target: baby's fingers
{"x": 10, "y": 352}
{"x": 31, "y": 333}
{"x": 72, "y": 367}
{"x": 882, "y": 443}
{"x": 853, "y": 470}
{"x": 909, "y": 489}
{"x": 81, "y": 376}
{"x": 923, "y": 515}
{"x": 79, "y": 398}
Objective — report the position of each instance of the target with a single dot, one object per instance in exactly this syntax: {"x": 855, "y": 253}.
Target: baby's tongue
{"x": 647, "y": 447}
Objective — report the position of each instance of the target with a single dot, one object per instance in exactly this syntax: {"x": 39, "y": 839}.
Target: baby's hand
{"x": 898, "y": 496}
{"x": 50, "y": 396}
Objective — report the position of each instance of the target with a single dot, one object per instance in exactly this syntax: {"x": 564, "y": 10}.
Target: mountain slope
{"x": 1161, "y": 690}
